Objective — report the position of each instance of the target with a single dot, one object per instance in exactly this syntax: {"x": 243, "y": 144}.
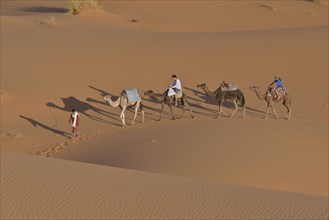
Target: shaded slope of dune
{"x": 43, "y": 188}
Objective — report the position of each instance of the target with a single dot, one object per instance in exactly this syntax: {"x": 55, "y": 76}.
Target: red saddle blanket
{"x": 278, "y": 93}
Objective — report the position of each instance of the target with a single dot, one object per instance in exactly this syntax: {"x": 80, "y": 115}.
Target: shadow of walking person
{"x": 38, "y": 124}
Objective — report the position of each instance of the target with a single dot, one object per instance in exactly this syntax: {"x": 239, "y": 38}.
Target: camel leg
{"x": 136, "y": 108}
{"x": 183, "y": 106}
{"x": 276, "y": 115}
{"x": 181, "y": 116}
{"x": 122, "y": 116}
{"x": 192, "y": 116}
{"x": 142, "y": 116}
{"x": 288, "y": 114}
{"x": 191, "y": 111}
{"x": 189, "y": 107}
{"x": 161, "y": 111}
{"x": 220, "y": 110}
{"x": 267, "y": 110}
{"x": 244, "y": 112}
{"x": 288, "y": 111}
{"x": 173, "y": 116}
{"x": 142, "y": 111}
{"x": 236, "y": 108}
{"x": 223, "y": 112}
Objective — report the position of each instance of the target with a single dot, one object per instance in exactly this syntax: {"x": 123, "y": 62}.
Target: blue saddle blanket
{"x": 132, "y": 95}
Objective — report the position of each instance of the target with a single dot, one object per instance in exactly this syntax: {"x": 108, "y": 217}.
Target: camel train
{"x": 132, "y": 98}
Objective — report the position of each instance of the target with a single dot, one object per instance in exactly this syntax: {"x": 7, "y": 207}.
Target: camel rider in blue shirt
{"x": 279, "y": 85}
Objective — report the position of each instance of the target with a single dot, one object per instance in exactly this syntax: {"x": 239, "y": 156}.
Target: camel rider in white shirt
{"x": 175, "y": 88}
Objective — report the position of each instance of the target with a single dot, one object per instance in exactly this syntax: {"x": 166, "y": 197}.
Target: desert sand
{"x": 201, "y": 168}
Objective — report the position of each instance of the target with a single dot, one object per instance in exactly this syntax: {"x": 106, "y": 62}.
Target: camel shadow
{"x": 157, "y": 110}
{"x": 43, "y": 9}
{"x": 202, "y": 96}
{"x": 81, "y": 107}
{"x": 209, "y": 100}
{"x": 38, "y": 124}
{"x": 258, "y": 113}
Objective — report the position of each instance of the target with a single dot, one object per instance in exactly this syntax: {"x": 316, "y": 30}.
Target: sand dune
{"x": 52, "y": 61}
{"x": 41, "y": 188}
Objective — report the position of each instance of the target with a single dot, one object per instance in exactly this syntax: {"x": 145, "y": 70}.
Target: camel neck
{"x": 260, "y": 96}
{"x": 157, "y": 97}
{"x": 210, "y": 93}
{"x": 115, "y": 103}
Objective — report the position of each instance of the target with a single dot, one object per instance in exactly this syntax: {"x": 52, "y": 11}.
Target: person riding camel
{"x": 279, "y": 86}
{"x": 175, "y": 88}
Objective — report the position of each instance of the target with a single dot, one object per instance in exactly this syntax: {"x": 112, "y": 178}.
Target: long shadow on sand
{"x": 43, "y": 9}
{"x": 101, "y": 92}
{"x": 81, "y": 107}
{"x": 39, "y": 124}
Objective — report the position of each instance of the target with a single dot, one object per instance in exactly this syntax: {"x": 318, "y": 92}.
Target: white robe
{"x": 75, "y": 116}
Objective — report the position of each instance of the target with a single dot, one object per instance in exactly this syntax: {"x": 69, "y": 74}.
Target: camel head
{"x": 149, "y": 92}
{"x": 254, "y": 88}
{"x": 106, "y": 98}
{"x": 202, "y": 86}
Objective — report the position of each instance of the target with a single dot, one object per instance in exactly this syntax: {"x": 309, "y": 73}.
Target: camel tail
{"x": 241, "y": 98}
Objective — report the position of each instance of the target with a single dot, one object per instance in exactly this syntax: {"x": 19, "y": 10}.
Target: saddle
{"x": 277, "y": 93}
{"x": 229, "y": 87}
{"x": 171, "y": 93}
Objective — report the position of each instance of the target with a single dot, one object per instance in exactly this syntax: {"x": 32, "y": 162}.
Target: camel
{"x": 230, "y": 96}
{"x": 122, "y": 101}
{"x": 168, "y": 100}
{"x": 268, "y": 97}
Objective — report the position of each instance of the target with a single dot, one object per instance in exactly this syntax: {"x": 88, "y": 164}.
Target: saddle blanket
{"x": 231, "y": 87}
{"x": 279, "y": 94}
{"x": 132, "y": 95}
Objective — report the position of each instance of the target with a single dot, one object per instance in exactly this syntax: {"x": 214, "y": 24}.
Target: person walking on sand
{"x": 75, "y": 120}
{"x": 175, "y": 88}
